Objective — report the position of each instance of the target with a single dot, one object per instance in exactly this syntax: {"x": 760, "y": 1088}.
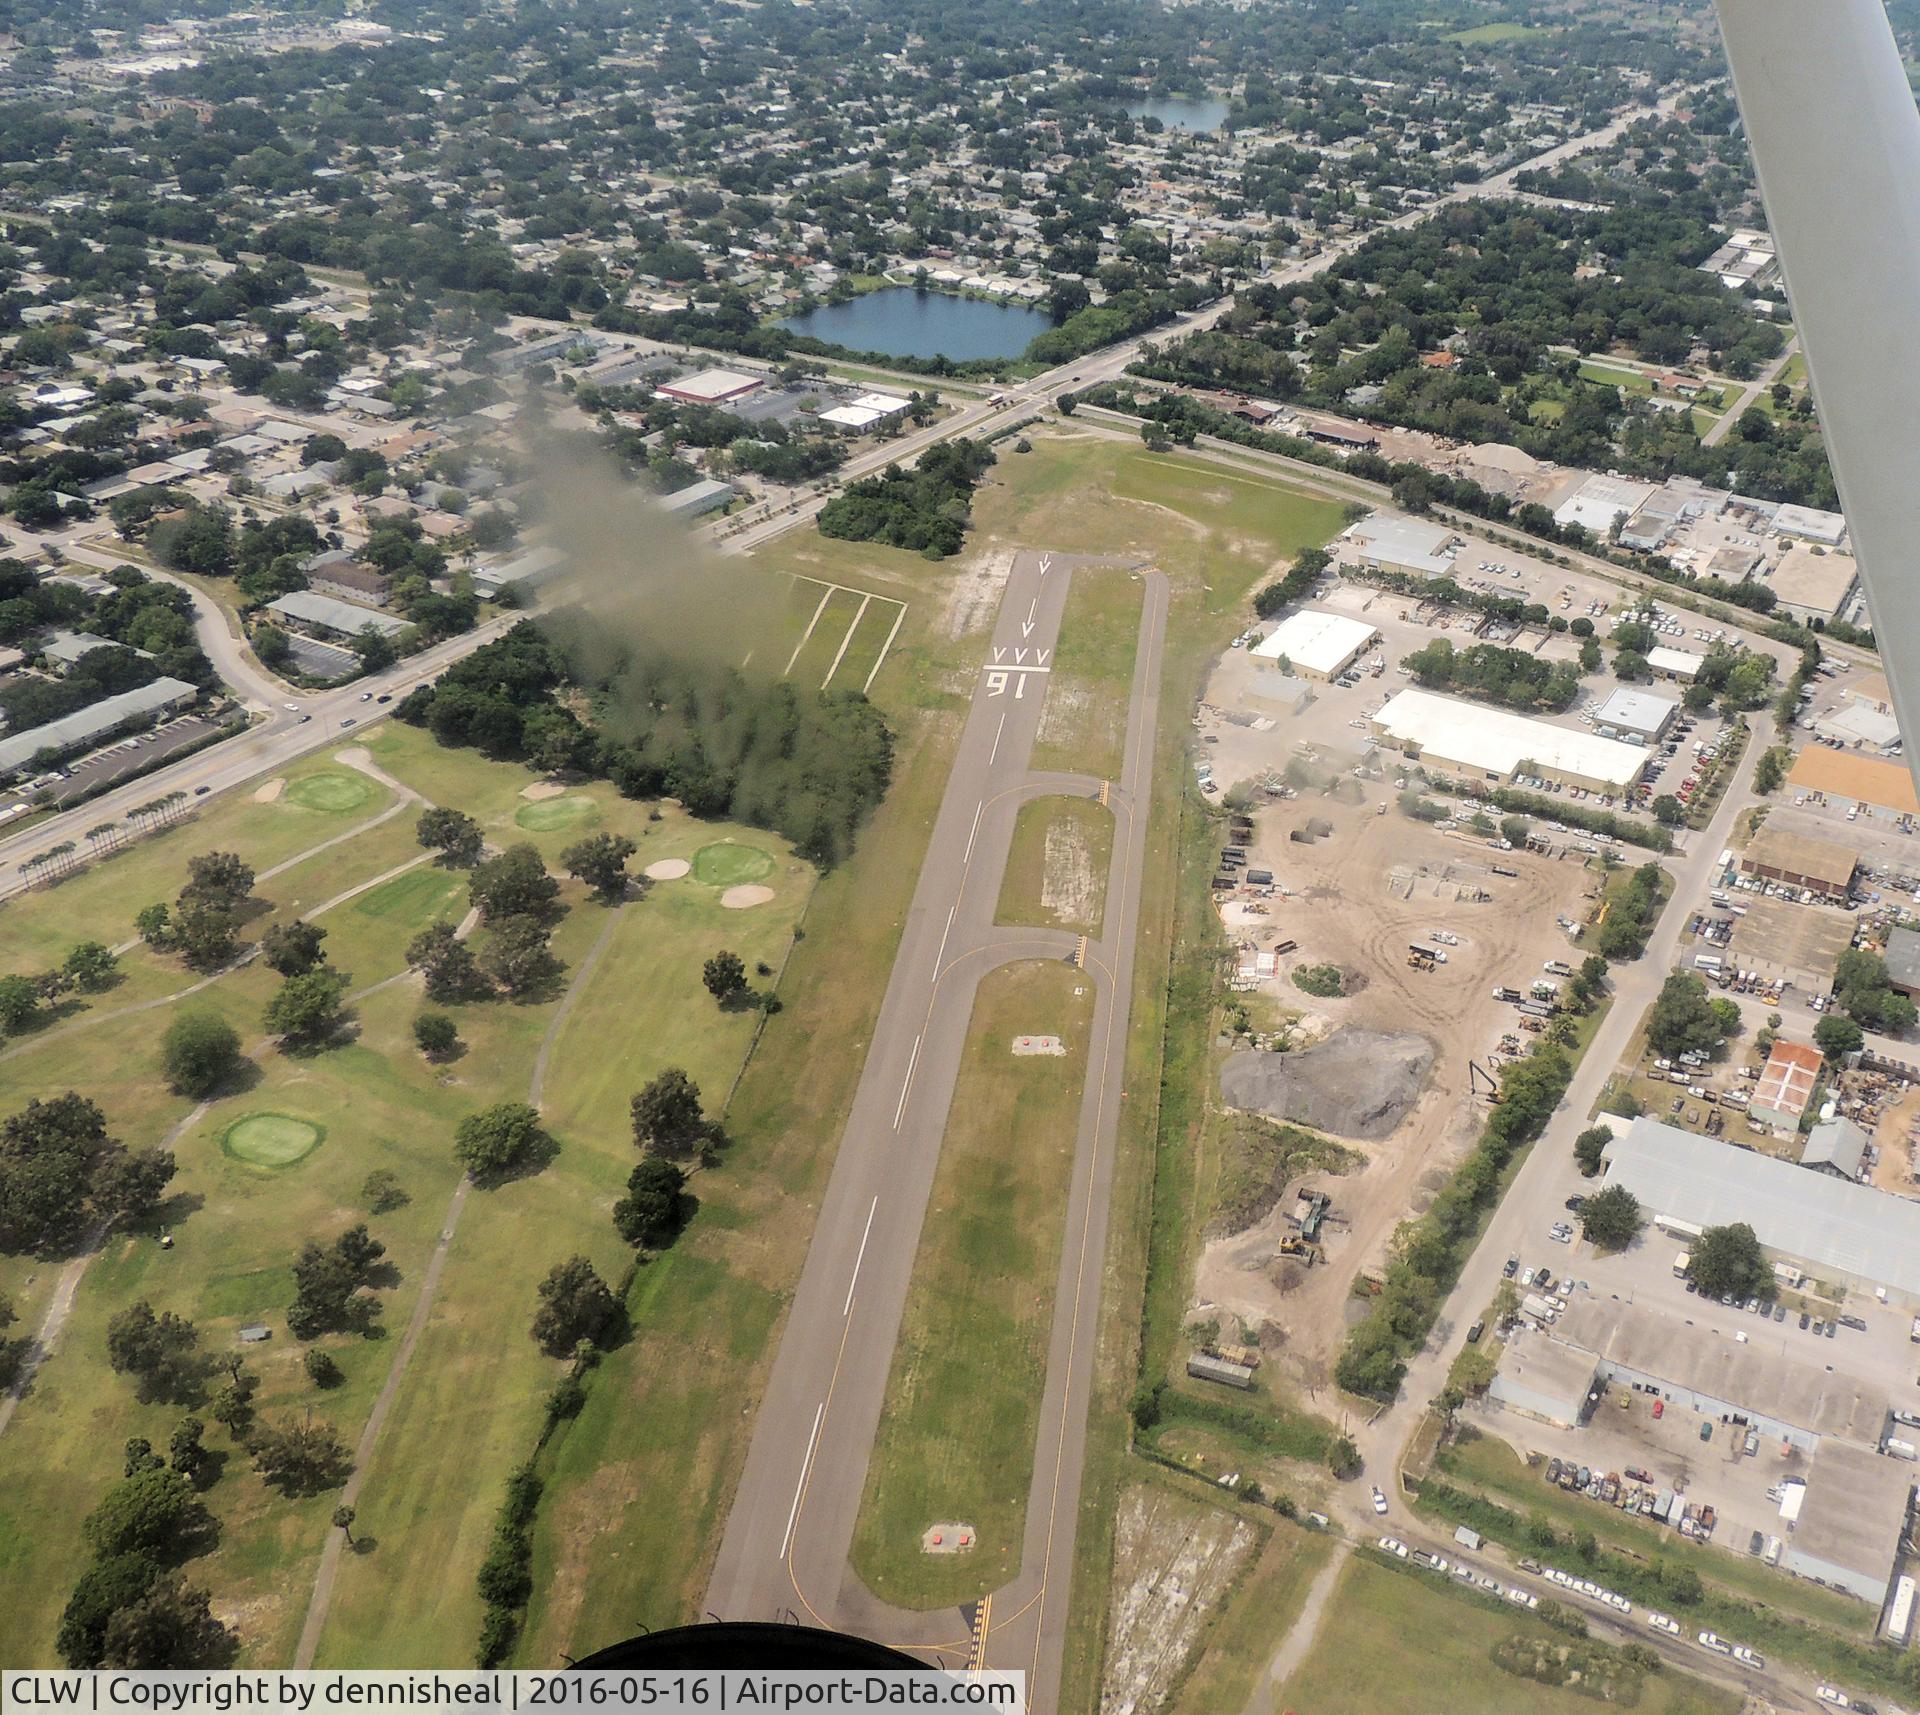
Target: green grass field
{"x": 1057, "y": 865}
{"x": 574, "y": 814}
{"x": 1404, "y": 1643}
{"x": 956, "y": 1439}
{"x": 333, "y": 791}
{"x": 271, "y": 1140}
{"x": 728, "y": 864}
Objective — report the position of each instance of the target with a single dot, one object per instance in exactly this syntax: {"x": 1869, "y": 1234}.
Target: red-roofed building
{"x": 1785, "y": 1086}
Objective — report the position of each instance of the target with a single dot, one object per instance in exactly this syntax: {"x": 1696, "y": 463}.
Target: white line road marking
{"x": 800, "y": 1488}
{"x": 1046, "y": 564}
{"x": 1026, "y": 625}
{"x": 825, "y": 597}
{"x": 973, "y": 832}
{"x": 847, "y": 1308}
{"x": 944, "y": 933}
{"x": 860, "y": 613}
{"x": 997, "y": 731}
{"x": 913, "y": 1060}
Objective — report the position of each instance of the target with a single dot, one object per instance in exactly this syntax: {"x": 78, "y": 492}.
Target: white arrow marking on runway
{"x": 800, "y": 1487}
{"x": 847, "y": 1308}
{"x": 1026, "y": 625}
{"x": 1046, "y": 564}
{"x": 912, "y": 1061}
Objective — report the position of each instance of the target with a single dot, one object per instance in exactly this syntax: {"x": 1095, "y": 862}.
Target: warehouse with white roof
{"x": 1390, "y": 542}
{"x": 1847, "y": 1234}
{"x": 1631, "y": 714}
{"x": 1317, "y": 645}
{"x": 1476, "y": 743}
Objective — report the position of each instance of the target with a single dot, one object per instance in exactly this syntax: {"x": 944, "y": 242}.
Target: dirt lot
{"x": 1356, "y": 897}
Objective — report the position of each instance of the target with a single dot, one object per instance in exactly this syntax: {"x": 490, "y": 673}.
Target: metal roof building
{"x": 95, "y": 721}
{"x": 1672, "y": 663}
{"x": 1801, "y": 860}
{"x": 1903, "y": 960}
{"x": 1836, "y": 1146}
{"x": 1483, "y": 743}
{"x": 1392, "y": 543}
{"x": 1543, "y": 1378}
{"x": 1317, "y": 645}
{"x": 1845, "y": 1233}
{"x": 1631, "y": 711}
{"x": 1851, "y": 1521}
{"x": 342, "y": 618}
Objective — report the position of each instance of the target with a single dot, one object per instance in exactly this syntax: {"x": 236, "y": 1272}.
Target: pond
{"x": 1185, "y": 112}
{"x": 903, "y": 321}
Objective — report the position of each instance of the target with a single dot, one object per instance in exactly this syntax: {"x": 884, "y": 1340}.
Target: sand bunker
{"x": 739, "y": 898}
{"x": 667, "y": 869}
{"x": 541, "y": 789}
{"x": 268, "y": 791}
{"x": 1357, "y": 1083}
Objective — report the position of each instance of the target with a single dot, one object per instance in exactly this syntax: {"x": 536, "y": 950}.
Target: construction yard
{"x": 1394, "y": 1054}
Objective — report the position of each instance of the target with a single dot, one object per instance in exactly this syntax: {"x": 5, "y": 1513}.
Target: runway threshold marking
{"x": 847, "y": 1308}
{"x": 800, "y": 1488}
{"x": 913, "y": 1060}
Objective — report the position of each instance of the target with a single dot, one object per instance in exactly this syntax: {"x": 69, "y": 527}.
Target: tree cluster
{"x": 924, "y": 510}
{"x": 62, "y": 1174}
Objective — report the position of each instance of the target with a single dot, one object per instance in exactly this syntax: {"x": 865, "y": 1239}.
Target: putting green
{"x": 728, "y": 865}
{"x": 557, "y": 815}
{"x": 331, "y": 792}
{"x": 271, "y": 1140}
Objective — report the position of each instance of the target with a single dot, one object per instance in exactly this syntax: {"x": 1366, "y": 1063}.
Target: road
{"x": 1750, "y": 392}
{"x": 785, "y": 1550}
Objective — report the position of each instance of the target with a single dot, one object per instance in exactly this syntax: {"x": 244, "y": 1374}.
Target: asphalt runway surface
{"x": 785, "y": 1551}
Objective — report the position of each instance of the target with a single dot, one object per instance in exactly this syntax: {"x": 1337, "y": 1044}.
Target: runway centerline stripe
{"x": 913, "y": 1060}
{"x": 973, "y": 832}
{"x": 994, "y": 753}
{"x": 951, "y": 909}
{"x": 847, "y": 1308}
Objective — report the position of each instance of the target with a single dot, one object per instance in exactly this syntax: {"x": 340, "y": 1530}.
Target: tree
{"x": 1611, "y": 1218}
{"x": 1514, "y": 829}
{"x": 199, "y": 1052}
{"x": 1728, "y": 1261}
{"x": 154, "y": 925}
{"x": 1668, "y": 811}
{"x": 186, "y": 1449}
{"x": 498, "y": 1142}
{"x": 454, "y": 835}
{"x": 446, "y": 962}
{"x": 343, "y": 1518}
{"x": 436, "y": 1035}
{"x": 92, "y": 965}
{"x": 666, "y": 1114}
{"x": 206, "y": 934}
{"x": 725, "y": 976}
{"x": 19, "y": 1002}
{"x": 169, "y": 1625}
{"x": 321, "y": 1370}
{"x": 304, "y": 1458}
{"x": 140, "y": 1456}
{"x": 1836, "y": 1037}
{"x": 217, "y": 878}
{"x": 382, "y": 1191}
{"x": 110, "y": 1586}
{"x": 1343, "y": 1457}
{"x": 309, "y": 1008}
{"x": 160, "y": 1351}
{"x": 60, "y": 1172}
{"x": 153, "y": 1513}
{"x": 1771, "y": 770}
{"x": 575, "y": 1305}
{"x": 514, "y": 884}
{"x": 292, "y": 948}
{"x": 1681, "y": 1021}
{"x": 518, "y": 955}
{"x": 651, "y": 1211}
{"x": 232, "y": 1406}
{"x": 600, "y": 862}
{"x": 1589, "y": 1146}
{"x": 330, "y": 1283}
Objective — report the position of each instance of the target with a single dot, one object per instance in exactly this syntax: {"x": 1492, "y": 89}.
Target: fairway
{"x": 410, "y": 899}
{"x": 1057, "y": 865}
{"x": 557, "y": 815}
{"x": 956, "y": 1441}
{"x": 271, "y": 1140}
{"x": 729, "y": 864}
{"x": 331, "y": 791}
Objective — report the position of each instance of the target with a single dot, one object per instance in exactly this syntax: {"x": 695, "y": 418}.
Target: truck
{"x": 1680, "y": 1262}
{"x": 1514, "y": 994}
{"x": 1899, "y": 1449}
{"x": 1501, "y": 869}
{"x": 1914, "y": 1333}
{"x": 1537, "y": 1307}
{"x": 1558, "y": 968}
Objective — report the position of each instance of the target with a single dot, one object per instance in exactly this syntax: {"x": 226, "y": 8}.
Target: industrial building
{"x": 1317, "y": 645}
{"x": 1902, "y": 958}
{"x": 1632, "y": 714}
{"x": 1785, "y": 1086}
{"x": 1544, "y": 1378}
{"x": 698, "y": 498}
{"x": 1847, "y": 1529}
{"x": 1391, "y": 543}
{"x": 1838, "y": 1147}
{"x": 1475, "y": 743}
{"x": 1812, "y": 584}
{"x": 1811, "y": 524}
{"x": 1680, "y": 665}
{"x": 1801, "y": 860}
{"x": 710, "y": 386}
{"x": 865, "y": 411}
{"x": 1850, "y": 777}
{"x": 96, "y": 721}
{"x": 1846, "y": 1234}
{"x": 1599, "y": 501}
{"x": 524, "y": 571}
{"x": 318, "y": 612}
{"x": 1754, "y": 1381}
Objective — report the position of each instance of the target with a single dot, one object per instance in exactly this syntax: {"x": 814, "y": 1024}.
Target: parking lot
{"x": 130, "y": 755}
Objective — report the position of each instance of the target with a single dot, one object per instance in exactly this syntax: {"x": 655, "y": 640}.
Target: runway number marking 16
{"x": 1002, "y": 674}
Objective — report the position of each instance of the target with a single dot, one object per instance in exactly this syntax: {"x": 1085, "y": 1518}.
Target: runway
{"x": 784, "y": 1554}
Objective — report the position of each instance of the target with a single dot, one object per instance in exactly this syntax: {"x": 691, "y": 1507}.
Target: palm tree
{"x": 107, "y": 834}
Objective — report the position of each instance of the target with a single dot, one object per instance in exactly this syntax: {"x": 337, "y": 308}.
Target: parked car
{"x": 1379, "y": 1501}
{"x": 1706, "y": 1430}
{"x": 1661, "y": 1623}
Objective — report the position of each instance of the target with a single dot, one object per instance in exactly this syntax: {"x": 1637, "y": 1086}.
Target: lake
{"x": 902, "y": 321}
{"x": 1188, "y": 113}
